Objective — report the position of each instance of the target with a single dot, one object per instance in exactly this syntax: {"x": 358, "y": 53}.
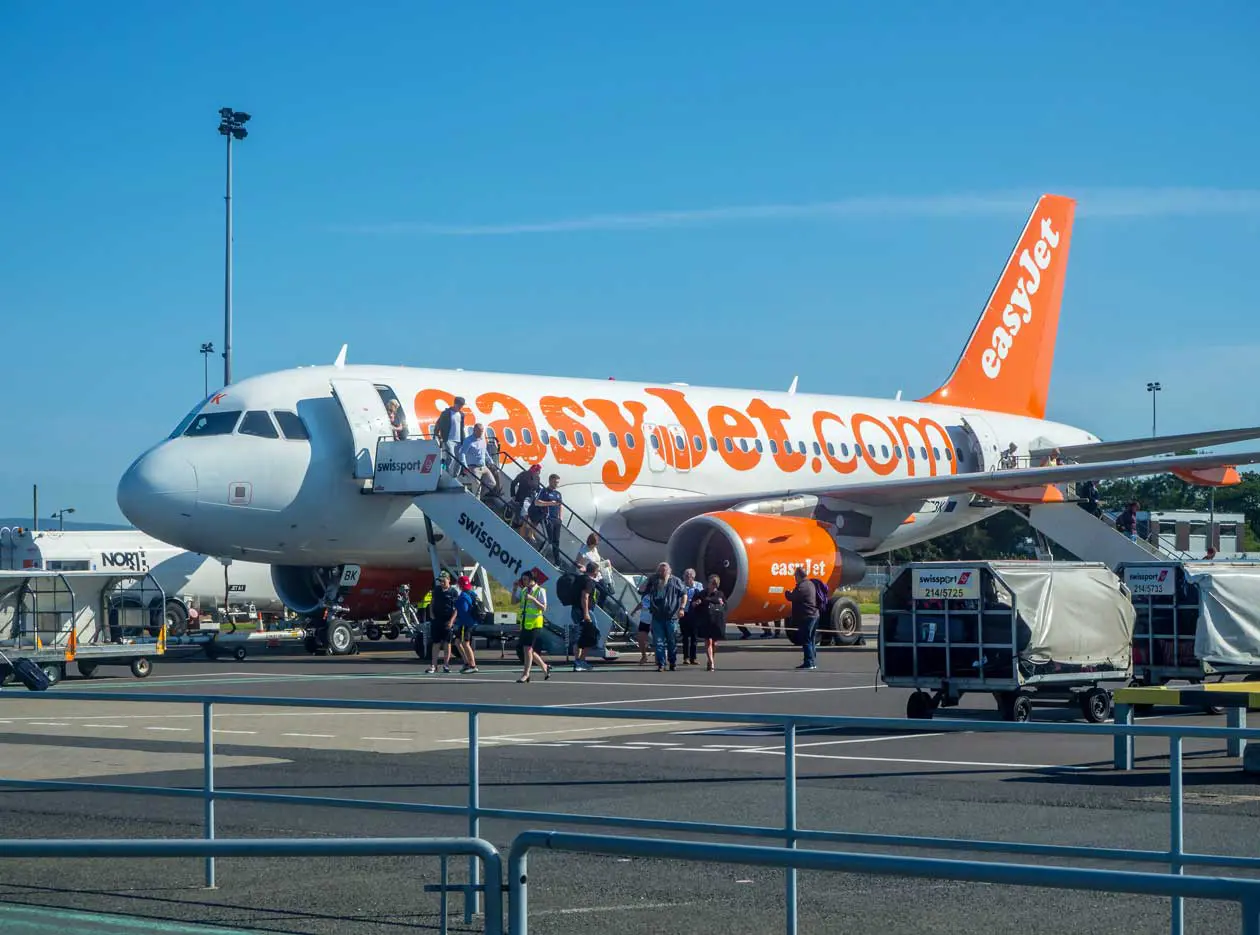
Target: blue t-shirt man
{"x": 549, "y": 500}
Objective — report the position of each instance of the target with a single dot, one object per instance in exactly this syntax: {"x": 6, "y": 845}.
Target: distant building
{"x": 1187, "y": 531}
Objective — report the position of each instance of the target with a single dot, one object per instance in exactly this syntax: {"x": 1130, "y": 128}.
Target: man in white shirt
{"x": 474, "y": 457}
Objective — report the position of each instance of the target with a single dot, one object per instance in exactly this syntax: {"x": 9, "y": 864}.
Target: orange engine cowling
{"x": 756, "y": 556}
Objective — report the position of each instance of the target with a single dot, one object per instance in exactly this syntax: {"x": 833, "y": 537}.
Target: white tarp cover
{"x": 1229, "y": 612}
{"x": 1077, "y": 613}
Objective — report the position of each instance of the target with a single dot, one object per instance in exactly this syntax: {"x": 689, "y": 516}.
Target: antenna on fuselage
{"x": 792, "y": 388}
{"x": 898, "y": 396}
{"x": 341, "y": 357}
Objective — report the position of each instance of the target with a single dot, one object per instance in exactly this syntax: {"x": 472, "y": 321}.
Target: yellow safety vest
{"x": 531, "y": 616}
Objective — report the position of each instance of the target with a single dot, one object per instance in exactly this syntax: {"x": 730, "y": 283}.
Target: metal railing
{"x": 474, "y": 848}
{"x": 1244, "y": 892}
{"x": 1175, "y": 856}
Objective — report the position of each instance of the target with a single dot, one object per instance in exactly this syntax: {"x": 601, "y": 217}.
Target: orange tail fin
{"x": 1006, "y": 364}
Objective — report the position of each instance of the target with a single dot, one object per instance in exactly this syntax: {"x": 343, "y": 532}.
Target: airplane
{"x": 743, "y": 483}
{"x": 193, "y": 584}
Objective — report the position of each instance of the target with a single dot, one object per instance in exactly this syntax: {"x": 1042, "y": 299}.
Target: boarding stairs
{"x": 477, "y": 521}
{"x": 1092, "y": 538}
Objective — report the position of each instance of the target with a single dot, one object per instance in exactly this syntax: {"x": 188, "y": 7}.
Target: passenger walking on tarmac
{"x": 588, "y": 634}
{"x": 645, "y": 628}
{"x": 474, "y": 457}
{"x": 665, "y": 599}
{"x": 396, "y": 420}
{"x": 688, "y": 621}
{"x": 449, "y": 431}
{"x": 804, "y": 600}
{"x": 712, "y": 622}
{"x": 467, "y": 616}
{"x": 443, "y": 608}
{"x": 552, "y": 502}
{"x": 533, "y": 603}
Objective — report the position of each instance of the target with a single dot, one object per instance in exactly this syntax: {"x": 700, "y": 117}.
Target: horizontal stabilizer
{"x": 1145, "y": 447}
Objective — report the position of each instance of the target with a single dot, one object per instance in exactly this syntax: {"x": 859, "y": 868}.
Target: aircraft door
{"x": 982, "y": 449}
{"x": 365, "y": 415}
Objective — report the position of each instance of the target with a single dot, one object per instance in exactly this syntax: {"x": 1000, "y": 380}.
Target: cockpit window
{"x": 257, "y": 422}
{"x": 187, "y": 420}
{"x": 213, "y": 423}
{"x": 290, "y": 425}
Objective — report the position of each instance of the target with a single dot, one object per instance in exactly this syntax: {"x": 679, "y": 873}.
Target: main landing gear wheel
{"x": 920, "y": 706}
{"x": 1096, "y": 705}
{"x": 141, "y": 668}
{"x": 846, "y": 622}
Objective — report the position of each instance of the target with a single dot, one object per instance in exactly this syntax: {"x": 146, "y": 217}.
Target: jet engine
{"x": 755, "y": 557}
{"x": 302, "y": 588}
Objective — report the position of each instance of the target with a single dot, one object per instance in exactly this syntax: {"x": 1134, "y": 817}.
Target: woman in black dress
{"x": 711, "y": 624}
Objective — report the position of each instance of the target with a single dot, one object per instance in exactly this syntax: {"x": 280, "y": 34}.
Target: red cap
{"x": 465, "y": 583}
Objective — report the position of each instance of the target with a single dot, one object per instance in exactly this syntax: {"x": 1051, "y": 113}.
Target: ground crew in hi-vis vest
{"x": 530, "y": 616}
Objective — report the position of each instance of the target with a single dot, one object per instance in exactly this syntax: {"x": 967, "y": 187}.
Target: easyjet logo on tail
{"x": 1019, "y": 310}
{"x": 1006, "y": 364}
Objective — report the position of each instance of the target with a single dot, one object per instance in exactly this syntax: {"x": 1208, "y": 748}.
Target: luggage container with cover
{"x": 1018, "y": 630}
{"x": 89, "y": 618}
{"x": 1196, "y": 621}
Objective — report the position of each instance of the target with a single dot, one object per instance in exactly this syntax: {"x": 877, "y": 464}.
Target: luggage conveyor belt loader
{"x": 92, "y": 619}
{"x": 1021, "y": 630}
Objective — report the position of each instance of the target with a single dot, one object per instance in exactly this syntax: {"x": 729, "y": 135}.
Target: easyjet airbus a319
{"x": 747, "y": 484}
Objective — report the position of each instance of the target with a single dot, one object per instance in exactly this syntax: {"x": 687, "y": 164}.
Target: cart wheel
{"x": 239, "y": 653}
{"x": 87, "y": 669}
{"x": 1096, "y": 705}
{"x": 54, "y": 672}
{"x": 373, "y": 632}
{"x": 1021, "y": 707}
{"x": 919, "y": 706}
{"x": 141, "y": 668}
{"x": 392, "y": 632}
{"x": 1213, "y": 709}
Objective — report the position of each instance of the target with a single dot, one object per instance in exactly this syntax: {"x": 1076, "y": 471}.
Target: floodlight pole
{"x": 231, "y": 124}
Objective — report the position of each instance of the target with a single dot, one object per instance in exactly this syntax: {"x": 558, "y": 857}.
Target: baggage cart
{"x": 91, "y": 619}
{"x": 1196, "y": 621}
{"x": 1022, "y": 631}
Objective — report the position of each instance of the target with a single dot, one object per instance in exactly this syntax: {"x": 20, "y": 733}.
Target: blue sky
{"x": 817, "y": 189}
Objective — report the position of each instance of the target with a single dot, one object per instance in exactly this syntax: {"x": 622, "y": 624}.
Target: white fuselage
{"x": 284, "y": 500}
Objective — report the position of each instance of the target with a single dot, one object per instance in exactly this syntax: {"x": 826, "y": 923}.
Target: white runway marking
{"x": 828, "y": 743}
{"x": 179, "y": 729}
{"x": 744, "y": 694}
{"x": 576, "y": 910}
{"x": 322, "y": 736}
{"x": 219, "y": 730}
{"x": 882, "y": 759}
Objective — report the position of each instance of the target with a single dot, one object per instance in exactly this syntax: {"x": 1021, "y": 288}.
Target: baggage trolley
{"x": 1024, "y": 632}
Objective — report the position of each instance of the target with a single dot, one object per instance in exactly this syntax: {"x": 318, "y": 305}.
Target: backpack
{"x": 476, "y": 609}
{"x": 822, "y": 591}
{"x": 567, "y": 589}
{"x": 443, "y": 428}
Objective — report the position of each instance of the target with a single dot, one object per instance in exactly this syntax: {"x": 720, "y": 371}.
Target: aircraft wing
{"x": 1144, "y": 447}
{"x": 653, "y": 516}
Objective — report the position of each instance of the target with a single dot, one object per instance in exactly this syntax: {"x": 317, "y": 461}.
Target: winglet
{"x": 1006, "y": 364}
{"x": 341, "y": 357}
{"x": 792, "y": 388}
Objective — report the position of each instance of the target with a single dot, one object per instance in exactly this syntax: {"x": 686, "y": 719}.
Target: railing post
{"x": 1235, "y": 717}
{"x": 1250, "y": 917}
{"x": 472, "y": 899}
{"x": 789, "y": 817}
{"x": 1175, "y": 843}
{"x": 207, "y": 727}
{"x": 518, "y": 894}
{"x": 1122, "y": 744}
{"x": 442, "y": 909}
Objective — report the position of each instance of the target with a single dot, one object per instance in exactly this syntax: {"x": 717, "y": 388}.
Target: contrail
{"x": 1102, "y": 203}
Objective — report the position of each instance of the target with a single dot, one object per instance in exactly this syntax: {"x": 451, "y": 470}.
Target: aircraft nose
{"x": 158, "y": 492}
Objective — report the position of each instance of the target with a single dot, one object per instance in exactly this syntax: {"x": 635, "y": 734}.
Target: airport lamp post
{"x": 60, "y": 517}
{"x": 206, "y": 350}
{"x": 1153, "y": 388}
{"x": 231, "y": 125}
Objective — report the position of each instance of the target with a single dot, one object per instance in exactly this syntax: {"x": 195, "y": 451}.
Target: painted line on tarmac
{"x": 578, "y": 910}
{"x": 100, "y": 923}
{"x": 829, "y": 743}
{"x": 569, "y": 730}
{"x": 743, "y": 694}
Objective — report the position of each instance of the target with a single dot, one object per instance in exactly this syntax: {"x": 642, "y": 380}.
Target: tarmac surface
{"x": 1036, "y": 787}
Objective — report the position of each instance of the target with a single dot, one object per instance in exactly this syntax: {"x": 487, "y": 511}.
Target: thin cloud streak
{"x": 1103, "y": 203}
